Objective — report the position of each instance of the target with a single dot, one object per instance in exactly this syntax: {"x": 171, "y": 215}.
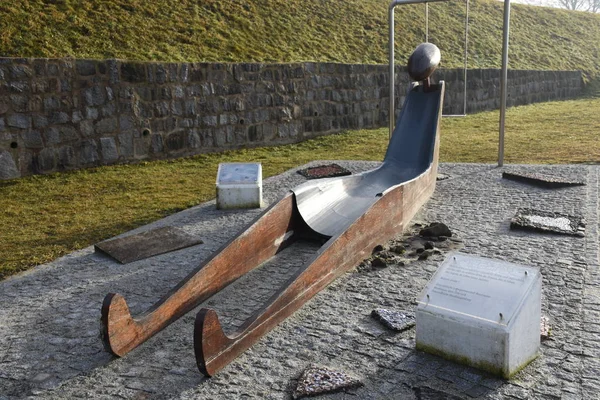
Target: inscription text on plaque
{"x": 481, "y": 312}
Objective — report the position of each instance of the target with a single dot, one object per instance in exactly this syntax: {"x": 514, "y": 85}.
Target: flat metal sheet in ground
{"x": 324, "y": 171}
{"x": 541, "y": 180}
{"x": 147, "y": 244}
{"x": 547, "y": 221}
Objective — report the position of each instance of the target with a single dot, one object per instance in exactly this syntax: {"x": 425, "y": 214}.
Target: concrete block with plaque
{"x": 239, "y": 185}
{"x": 481, "y": 312}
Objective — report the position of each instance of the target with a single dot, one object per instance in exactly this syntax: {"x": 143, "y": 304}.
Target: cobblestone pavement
{"x": 49, "y": 317}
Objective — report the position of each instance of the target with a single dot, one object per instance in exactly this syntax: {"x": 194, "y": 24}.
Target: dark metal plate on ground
{"x": 395, "y": 320}
{"x": 324, "y": 171}
{"x": 147, "y": 244}
{"x": 542, "y": 180}
{"x": 545, "y": 221}
{"x": 316, "y": 380}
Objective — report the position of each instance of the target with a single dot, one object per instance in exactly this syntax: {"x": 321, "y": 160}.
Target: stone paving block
{"x": 590, "y": 388}
{"x": 477, "y": 391}
{"x": 318, "y": 380}
{"x": 515, "y": 391}
{"x": 426, "y": 392}
{"x": 396, "y": 320}
{"x": 547, "y": 221}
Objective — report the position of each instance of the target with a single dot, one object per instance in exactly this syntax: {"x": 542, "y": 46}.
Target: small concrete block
{"x": 324, "y": 171}
{"x": 545, "y": 221}
{"x": 147, "y": 244}
{"x": 239, "y": 185}
{"x": 317, "y": 380}
{"x": 395, "y": 320}
{"x": 481, "y": 312}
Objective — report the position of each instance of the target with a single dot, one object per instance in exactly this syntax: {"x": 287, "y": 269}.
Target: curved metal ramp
{"x": 331, "y": 205}
{"x": 354, "y": 213}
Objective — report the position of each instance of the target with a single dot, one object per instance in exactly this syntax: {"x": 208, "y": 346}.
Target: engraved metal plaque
{"x": 147, "y": 244}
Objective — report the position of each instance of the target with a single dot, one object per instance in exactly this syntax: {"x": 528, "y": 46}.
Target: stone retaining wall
{"x": 60, "y": 114}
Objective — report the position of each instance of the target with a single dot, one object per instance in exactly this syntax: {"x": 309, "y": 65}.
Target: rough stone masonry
{"x": 61, "y": 114}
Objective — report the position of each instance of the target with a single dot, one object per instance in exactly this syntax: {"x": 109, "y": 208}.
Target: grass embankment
{"x": 48, "y": 216}
{"x": 347, "y": 31}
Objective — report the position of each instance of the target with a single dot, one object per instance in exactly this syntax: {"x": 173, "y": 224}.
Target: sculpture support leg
{"x": 260, "y": 241}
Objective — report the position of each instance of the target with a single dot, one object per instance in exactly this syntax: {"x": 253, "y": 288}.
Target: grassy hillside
{"x": 352, "y": 31}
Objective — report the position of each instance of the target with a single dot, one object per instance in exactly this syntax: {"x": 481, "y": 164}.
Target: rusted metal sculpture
{"x": 352, "y": 214}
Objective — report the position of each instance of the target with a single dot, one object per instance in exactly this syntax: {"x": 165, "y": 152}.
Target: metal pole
{"x": 426, "y": 22}
{"x": 466, "y": 55}
{"x": 503, "y": 82}
{"x": 393, "y": 4}
{"x": 465, "y": 60}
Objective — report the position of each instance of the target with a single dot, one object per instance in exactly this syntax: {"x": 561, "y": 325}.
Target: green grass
{"x": 48, "y": 216}
{"x": 349, "y": 31}
{"x": 543, "y": 133}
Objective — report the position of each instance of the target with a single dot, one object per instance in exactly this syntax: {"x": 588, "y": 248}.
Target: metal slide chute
{"x": 331, "y": 205}
{"x": 350, "y": 214}
{"x": 355, "y": 212}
